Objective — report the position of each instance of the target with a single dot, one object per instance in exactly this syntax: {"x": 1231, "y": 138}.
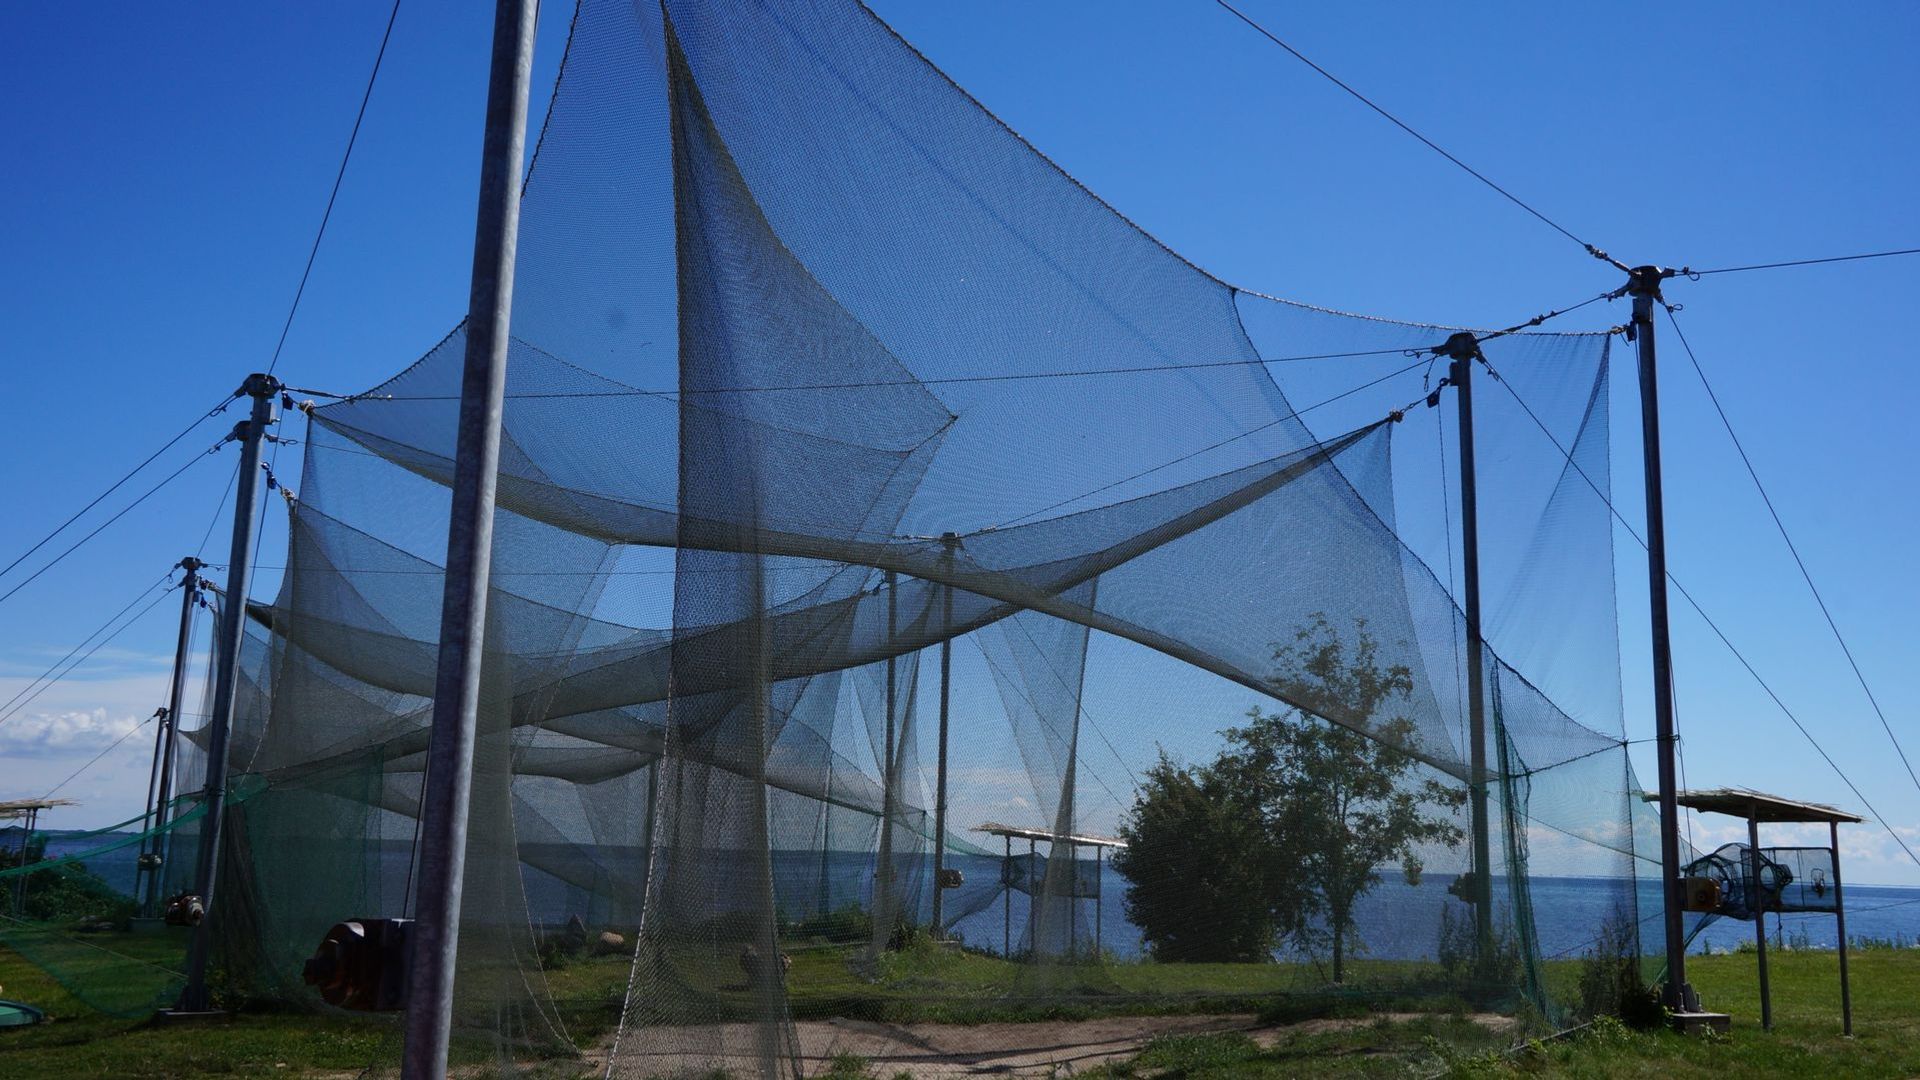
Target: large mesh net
{"x": 882, "y": 519}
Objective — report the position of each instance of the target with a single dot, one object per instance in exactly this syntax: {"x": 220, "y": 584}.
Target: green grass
{"x": 78, "y": 1041}
{"x": 935, "y": 984}
{"x": 1806, "y": 1040}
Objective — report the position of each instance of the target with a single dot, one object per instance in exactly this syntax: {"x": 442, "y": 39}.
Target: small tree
{"x": 1286, "y": 830}
{"x": 1335, "y": 803}
{"x": 1194, "y": 867}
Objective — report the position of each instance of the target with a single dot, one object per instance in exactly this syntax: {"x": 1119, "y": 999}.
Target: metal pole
{"x": 463, "y": 605}
{"x": 940, "y": 781}
{"x": 176, "y": 692}
{"x": 143, "y": 867}
{"x": 1099, "y": 895}
{"x": 1033, "y": 898}
{"x": 883, "y": 898}
{"x": 1463, "y": 349}
{"x": 20, "y": 883}
{"x": 1006, "y": 917}
{"x": 1073, "y": 897}
{"x": 231, "y": 635}
{"x": 1840, "y": 915}
{"x": 1760, "y": 913}
{"x": 1644, "y": 286}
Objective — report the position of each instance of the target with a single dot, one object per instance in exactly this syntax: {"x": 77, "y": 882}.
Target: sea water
{"x": 1394, "y": 921}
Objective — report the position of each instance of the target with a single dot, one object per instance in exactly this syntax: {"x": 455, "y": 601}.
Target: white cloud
{"x": 71, "y": 722}
{"x": 43, "y": 734}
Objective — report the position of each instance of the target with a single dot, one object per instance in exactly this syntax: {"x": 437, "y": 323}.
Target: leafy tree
{"x": 1196, "y": 881}
{"x": 1282, "y": 834}
{"x": 1334, "y": 803}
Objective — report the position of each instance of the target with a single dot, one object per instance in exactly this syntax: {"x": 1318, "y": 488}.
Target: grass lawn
{"x": 928, "y": 985}
{"x": 1806, "y": 1040}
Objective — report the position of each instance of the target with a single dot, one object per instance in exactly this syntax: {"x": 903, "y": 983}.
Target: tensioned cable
{"x": 1714, "y": 626}
{"x": 334, "y": 195}
{"x": 1019, "y": 376}
{"x": 1792, "y": 548}
{"x": 1275, "y": 422}
{"x": 1446, "y": 518}
{"x": 7, "y": 709}
{"x": 1807, "y": 262}
{"x": 118, "y": 514}
{"x": 170, "y": 443}
{"x": 214, "y": 522}
{"x": 1403, "y": 126}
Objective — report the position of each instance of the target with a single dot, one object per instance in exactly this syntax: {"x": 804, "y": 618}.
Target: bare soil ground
{"x": 1043, "y": 1049}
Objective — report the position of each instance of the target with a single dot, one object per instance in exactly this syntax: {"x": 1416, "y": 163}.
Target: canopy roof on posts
{"x": 1017, "y": 833}
{"x": 1758, "y": 806}
{"x": 17, "y": 808}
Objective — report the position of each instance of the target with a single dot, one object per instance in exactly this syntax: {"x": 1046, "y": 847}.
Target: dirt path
{"x": 1046, "y": 1049}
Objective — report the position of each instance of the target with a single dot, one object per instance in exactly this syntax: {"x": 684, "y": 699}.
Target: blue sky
{"x": 169, "y": 168}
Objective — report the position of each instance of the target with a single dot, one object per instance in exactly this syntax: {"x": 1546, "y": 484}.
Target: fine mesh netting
{"x": 850, "y": 445}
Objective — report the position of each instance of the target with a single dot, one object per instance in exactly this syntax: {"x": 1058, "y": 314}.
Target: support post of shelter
{"x": 31, "y": 819}
{"x": 940, "y": 780}
{"x": 226, "y": 650}
{"x": 1463, "y": 349}
{"x": 1643, "y": 285}
{"x": 1759, "y": 899}
{"x": 1840, "y": 918}
{"x": 1006, "y": 915}
{"x": 463, "y": 606}
{"x": 176, "y": 692}
{"x": 1033, "y": 897}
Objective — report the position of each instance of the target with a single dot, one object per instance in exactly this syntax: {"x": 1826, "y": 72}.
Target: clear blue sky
{"x": 168, "y": 168}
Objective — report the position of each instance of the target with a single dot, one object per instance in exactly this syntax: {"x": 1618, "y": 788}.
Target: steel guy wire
{"x": 1712, "y": 625}
{"x": 117, "y": 515}
{"x": 334, "y": 195}
{"x": 1403, "y": 126}
{"x": 170, "y": 443}
{"x": 8, "y": 707}
{"x": 1792, "y": 548}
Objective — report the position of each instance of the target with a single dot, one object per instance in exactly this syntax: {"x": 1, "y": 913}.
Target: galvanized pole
{"x": 463, "y": 604}
{"x": 1643, "y": 284}
{"x": 1840, "y": 916}
{"x": 940, "y": 781}
{"x": 1759, "y": 904}
{"x": 176, "y": 692}
{"x": 144, "y": 867}
{"x": 231, "y": 634}
{"x": 1463, "y": 349}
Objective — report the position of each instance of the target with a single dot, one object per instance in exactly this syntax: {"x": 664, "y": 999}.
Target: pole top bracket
{"x": 259, "y": 385}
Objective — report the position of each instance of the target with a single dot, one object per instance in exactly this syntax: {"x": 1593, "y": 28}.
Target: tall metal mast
{"x": 1643, "y": 284}
{"x": 250, "y": 433}
{"x": 949, "y": 540}
{"x": 154, "y": 859}
{"x": 463, "y": 605}
{"x": 1463, "y": 349}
